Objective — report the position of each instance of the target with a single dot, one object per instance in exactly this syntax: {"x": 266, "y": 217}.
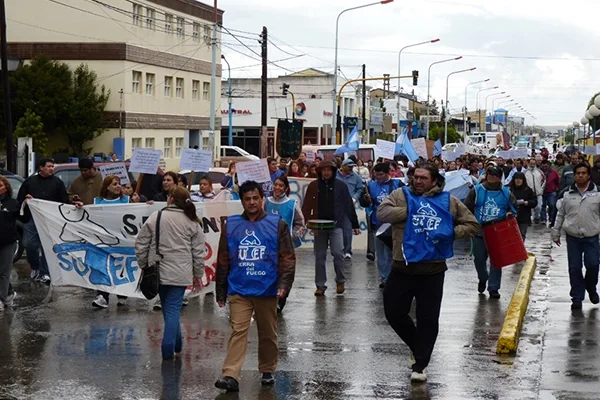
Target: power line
{"x": 283, "y": 51}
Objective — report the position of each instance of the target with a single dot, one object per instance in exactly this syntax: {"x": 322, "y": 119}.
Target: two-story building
{"x": 153, "y": 55}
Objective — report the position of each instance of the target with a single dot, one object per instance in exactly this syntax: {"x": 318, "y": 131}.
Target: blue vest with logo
{"x": 286, "y": 211}
{"x": 254, "y": 252}
{"x": 429, "y": 230}
{"x": 119, "y": 200}
{"x": 491, "y": 204}
{"x": 379, "y": 192}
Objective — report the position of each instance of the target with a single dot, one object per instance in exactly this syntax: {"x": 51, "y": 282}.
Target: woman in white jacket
{"x": 181, "y": 245}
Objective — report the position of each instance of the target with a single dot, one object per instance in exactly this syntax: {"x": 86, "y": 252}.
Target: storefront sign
{"x": 236, "y": 112}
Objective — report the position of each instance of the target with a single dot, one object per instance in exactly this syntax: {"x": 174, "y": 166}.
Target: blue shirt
{"x": 354, "y": 182}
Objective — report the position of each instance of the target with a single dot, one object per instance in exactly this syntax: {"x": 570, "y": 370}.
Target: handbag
{"x": 150, "y": 275}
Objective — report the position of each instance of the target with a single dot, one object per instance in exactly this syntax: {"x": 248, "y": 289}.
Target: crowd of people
{"x": 411, "y": 226}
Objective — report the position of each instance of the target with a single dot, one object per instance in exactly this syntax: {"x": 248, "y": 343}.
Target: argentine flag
{"x": 352, "y": 143}
{"x": 404, "y": 146}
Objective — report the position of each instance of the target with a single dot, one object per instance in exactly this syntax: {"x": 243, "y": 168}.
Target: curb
{"x": 508, "y": 341}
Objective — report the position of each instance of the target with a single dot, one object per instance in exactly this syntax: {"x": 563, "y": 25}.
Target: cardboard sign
{"x": 196, "y": 160}
{"x": 145, "y": 161}
{"x": 257, "y": 171}
{"x": 117, "y": 169}
{"x": 385, "y": 149}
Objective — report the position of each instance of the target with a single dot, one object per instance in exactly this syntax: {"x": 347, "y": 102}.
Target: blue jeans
{"x": 481, "y": 255}
{"x": 171, "y": 298}
{"x": 549, "y": 200}
{"x": 384, "y": 259}
{"x": 33, "y": 246}
{"x": 334, "y": 240}
{"x": 347, "y": 236}
{"x": 590, "y": 248}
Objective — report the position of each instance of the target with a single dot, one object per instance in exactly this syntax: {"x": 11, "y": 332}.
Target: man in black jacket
{"x": 44, "y": 186}
{"x": 328, "y": 198}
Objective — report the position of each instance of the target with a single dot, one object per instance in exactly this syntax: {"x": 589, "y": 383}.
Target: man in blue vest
{"x": 378, "y": 190}
{"x": 425, "y": 221}
{"x": 256, "y": 264}
{"x": 489, "y": 201}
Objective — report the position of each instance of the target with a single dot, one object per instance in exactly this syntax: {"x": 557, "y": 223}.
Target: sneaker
{"x": 576, "y": 305}
{"x": 228, "y": 383}
{"x": 370, "y": 256}
{"x": 100, "y": 302}
{"x": 320, "y": 292}
{"x": 348, "y": 256}
{"x": 594, "y": 298}
{"x": 494, "y": 294}
{"x": 481, "y": 286}
{"x": 340, "y": 288}
{"x": 9, "y": 303}
{"x": 34, "y": 274}
{"x": 45, "y": 279}
{"x": 418, "y": 376}
{"x": 122, "y": 302}
{"x": 267, "y": 379}
{"x": 185, "y": 301}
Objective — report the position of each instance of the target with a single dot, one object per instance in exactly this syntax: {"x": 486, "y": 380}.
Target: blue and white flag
{"x": 437, "y": 148}
{"x": 352, "y": 143}
{"x": 404, "y": 146}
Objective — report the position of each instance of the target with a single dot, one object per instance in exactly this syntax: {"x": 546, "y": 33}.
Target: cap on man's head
{"x": 348, "y": 162}
{"x": 86, "y": 163}
{"x": 494, "y": 171}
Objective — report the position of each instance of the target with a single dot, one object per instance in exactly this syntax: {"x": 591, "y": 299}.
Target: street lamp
{"x": 477, "y": 104}
{"x": 465, "y": 111}
{"x": 399, "y": 73}
{"x": 486, "y": 107}
{"x": 446, "y": 104}
{"x": 229, "y": 100}
{"x": 335, "y": 65}
{"x": 429, "y": 86}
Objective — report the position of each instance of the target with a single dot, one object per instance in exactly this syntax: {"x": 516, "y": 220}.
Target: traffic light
{"x": 285, "y": 88}
{"x": 415, "y": 75}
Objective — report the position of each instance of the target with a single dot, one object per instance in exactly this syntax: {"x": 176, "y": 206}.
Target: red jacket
{"x": 552, "y": 181}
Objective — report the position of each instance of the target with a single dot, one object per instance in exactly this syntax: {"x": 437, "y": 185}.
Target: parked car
{"x": 234, "y": 153}
{"x": 216, "y": 175}
{"x": 16, "y": 181}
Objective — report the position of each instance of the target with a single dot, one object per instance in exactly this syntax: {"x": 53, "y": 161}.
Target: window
{"x": 137, "y": 14}
{"x": 168, "y": 144}
{"x": 179, "y": 88}
{"x": 136, "y": 77}
{"x": 168, "y": 85}
{"x": 136, "y": 143}
{"x": 168, "y": 24}
{"x": 195, "y": 90}
{"x": 205, "y": 90}
{"x": 205, "y": 143}
{"x": 196, "y": 32}
{"x": 207, "y": 35}
{"x": 180, "y": 27}
{"x": 178, "y": 146}
{"x": 150, "y": 18}
{"x": 149, "y": 84}
{"x": 149, "y": 143}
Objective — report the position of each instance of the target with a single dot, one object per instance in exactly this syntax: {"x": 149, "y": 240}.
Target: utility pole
{"x": 263, "y": 96}
{"x": 364, "y": 104}
{"x": 213, "y": 84}
{"x": 121, "y": 113}
{"x": 11, "y": 163}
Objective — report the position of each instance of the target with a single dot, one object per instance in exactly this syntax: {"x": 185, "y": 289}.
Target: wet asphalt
{"x": 335, "y": 347}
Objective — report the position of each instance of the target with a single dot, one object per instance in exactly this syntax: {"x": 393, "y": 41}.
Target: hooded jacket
{"x": 526, "y": 194}
{"x": 394, "y": 210}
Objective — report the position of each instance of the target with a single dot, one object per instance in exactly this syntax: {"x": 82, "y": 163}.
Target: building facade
{"x": 153, "y": 55}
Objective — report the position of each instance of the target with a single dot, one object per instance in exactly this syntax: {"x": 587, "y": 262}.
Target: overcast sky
{"x": 539, "y": 52}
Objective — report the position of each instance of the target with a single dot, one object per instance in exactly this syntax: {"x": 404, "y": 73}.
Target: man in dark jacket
{"x": 567, "y": 177}
{"x": 328, "y": 198}
{"x": 44, "y": 186}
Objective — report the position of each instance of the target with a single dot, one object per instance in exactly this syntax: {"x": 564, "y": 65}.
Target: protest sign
{"x": 420, "y": 147}
{"x": 117, "y": 169}
{"x": 257, "y": 171}
{"x": 385, "y": 149}
{"x": 196, "y": 160}
{"x": 310, "y": 157}
{"x": 145, "y": 161}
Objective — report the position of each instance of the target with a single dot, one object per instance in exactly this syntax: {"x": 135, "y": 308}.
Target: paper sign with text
{"x": 117, "y": 169}
{"x": 385, "y": 149}
{"x": 145, "y": 161}
{"x": 196, "y": 160}
{"x": 257, "y": 171}
{"x": 420, "y": 147}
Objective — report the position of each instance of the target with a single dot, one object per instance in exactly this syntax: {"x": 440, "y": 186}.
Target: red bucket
{"x": 504, "y": 242}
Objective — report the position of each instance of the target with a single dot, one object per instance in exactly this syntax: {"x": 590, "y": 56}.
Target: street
{"x": 335, "y": 347}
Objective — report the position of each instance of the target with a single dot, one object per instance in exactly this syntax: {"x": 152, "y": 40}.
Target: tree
{"x": 383, "y": 136}
{"x": 87, "y": 109}
{"x": 436, "y": 131}
{"x": 30, "y": 125}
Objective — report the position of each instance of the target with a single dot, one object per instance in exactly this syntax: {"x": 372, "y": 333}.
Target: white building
{"x": 313, "y": 91}
{"x": 153, "y": 55}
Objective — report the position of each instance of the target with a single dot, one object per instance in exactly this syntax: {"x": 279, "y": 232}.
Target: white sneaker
{"x": 100, "y": 302}
{"x": 348, "y": 256}
{"x": 45, "y": 279}
{"x": 418, "y": 376}
{"x": 10, "y": 300}
{"x": 122, "y": 302}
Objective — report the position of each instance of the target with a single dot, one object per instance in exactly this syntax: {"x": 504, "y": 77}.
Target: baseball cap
{"x": 349, "y": 162}
{"x": 494, "y": 171}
